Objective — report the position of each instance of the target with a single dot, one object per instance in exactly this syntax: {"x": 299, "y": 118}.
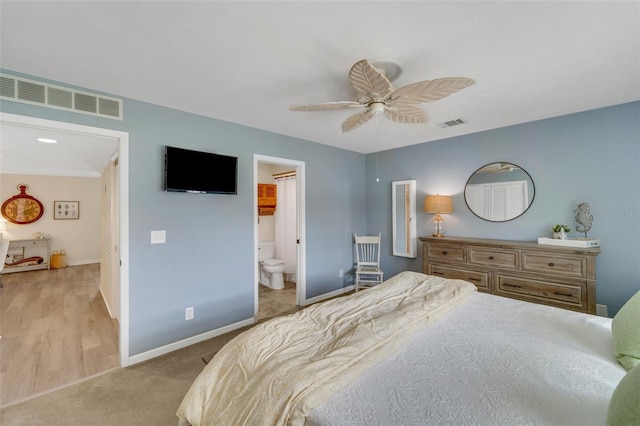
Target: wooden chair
{"x": 368, "y": 272}
{"x": 4, "y": 248}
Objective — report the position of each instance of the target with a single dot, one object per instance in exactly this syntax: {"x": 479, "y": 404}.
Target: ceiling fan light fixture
{"x": 376, "y": 107}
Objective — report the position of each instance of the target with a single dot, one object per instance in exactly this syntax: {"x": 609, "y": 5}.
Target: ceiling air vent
{"x": 453, "y": 123}
{"x": 32, "y": 92}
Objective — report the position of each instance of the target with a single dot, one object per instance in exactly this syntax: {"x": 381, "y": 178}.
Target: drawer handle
{"x": 562, "y": 294}
{"x": 474, "y": 279}
{"x": 444, "y": 252}
{"x": 490, "y": 257}
{"x": 552, "y": 264}
{"x": 511, "y": 285}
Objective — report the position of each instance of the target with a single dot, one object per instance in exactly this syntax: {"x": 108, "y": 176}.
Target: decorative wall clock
{"x": 22, "y": 208}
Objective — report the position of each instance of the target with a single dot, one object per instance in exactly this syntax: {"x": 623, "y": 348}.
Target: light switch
{"x": 158, "y": 237}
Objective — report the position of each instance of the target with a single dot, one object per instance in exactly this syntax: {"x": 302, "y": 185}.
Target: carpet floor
{"x": 144, "y": 394}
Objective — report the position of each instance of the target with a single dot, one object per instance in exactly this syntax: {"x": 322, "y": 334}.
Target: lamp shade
{"x": 438, "y": 204}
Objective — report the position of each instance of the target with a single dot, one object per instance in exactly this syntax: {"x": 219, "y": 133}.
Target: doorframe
{"x": 301, "y": 274}
{"x": 123, "y": 201}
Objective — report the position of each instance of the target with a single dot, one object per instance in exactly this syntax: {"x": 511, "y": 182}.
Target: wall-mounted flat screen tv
{"x": 199, "y": 172}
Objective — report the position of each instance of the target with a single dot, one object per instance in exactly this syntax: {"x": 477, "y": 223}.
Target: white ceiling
{"x": 248, "y": 62}
{"x": 73, "y": 154}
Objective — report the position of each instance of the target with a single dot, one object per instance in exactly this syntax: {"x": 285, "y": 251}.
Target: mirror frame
{"x": 530, "y": 202}
{"x": 405, "y": 219}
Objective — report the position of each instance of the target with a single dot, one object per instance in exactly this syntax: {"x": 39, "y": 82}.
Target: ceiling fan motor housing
{"x": 376, "y": 107}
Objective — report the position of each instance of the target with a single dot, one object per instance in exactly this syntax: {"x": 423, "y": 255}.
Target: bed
{"x": 415, "y": 350}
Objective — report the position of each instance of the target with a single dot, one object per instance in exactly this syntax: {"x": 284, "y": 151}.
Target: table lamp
{"x": 438, "y": 204}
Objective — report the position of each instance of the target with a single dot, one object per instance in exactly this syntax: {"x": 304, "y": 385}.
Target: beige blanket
{"x": 276, "y": 372}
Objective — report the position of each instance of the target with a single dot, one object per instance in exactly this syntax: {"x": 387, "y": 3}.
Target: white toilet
{"x": 270, "y": 269}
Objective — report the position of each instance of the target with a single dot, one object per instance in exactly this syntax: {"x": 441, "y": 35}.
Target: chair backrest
{"x": 368, "y": 250}
{"x": 4, "y": 248}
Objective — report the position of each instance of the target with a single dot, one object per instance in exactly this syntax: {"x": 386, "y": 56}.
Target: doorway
{"x": 116, "y": 254}
{"x": 297, "y": 167}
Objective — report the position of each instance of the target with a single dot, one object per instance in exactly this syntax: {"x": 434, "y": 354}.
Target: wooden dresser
{"x": 551, "y": 275}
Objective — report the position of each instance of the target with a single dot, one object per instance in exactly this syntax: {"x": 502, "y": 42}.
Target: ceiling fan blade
{"x": 406, "y": 112}
{"x": 357, "y": 120}
{"x": 432, "y": 90}
{"x": 368, "y": 81}
{"x": 327, "y": 106}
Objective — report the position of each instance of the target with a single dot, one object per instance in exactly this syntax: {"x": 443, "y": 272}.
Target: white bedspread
{"x": 276, "y": 372}
{"x": 491, "y": 361}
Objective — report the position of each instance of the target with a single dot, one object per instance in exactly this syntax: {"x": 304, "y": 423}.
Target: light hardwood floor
{"x": 55, "y": 331}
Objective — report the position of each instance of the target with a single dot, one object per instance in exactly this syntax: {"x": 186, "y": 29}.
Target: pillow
{"x": 625, "y": 330}
{"x": 624, "y": 408}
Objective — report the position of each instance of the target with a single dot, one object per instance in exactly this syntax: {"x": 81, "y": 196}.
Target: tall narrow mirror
{"x": 403, "y": 201}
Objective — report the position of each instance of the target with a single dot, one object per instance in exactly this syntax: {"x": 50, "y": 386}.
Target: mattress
{"x": 490, "y": 361}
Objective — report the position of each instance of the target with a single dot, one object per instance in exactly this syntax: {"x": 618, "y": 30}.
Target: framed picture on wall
{"x": 63, "y": 210}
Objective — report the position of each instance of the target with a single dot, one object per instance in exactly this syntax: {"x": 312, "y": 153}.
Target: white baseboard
{"x": 328, "y": 295}
{"x": 135, "y": 359}
{"x": 106, "y": 304}
{"x": 145, "y": 356}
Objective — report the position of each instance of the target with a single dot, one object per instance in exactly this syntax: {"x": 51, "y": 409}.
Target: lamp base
{"x": 438, "y": 226}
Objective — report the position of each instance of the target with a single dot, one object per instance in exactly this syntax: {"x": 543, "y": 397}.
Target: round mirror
{"x": 499, "y": 192}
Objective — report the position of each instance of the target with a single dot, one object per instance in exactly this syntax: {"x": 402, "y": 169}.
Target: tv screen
{"x": 199, "y": 172}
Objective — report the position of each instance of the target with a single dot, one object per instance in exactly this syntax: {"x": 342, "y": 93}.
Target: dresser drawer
{"x": 564, "y": 295}
{"x": 18, "y": 244}
{"x": 479, "y": 279}
{"x": 505, "y": 259}
{"x": 445, "y": 252}
{"x": 567, "y": 266}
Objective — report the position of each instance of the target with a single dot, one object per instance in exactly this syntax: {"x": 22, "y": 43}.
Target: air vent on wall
{"x": 452, "y": 123}
{"x": 32, "y": 92}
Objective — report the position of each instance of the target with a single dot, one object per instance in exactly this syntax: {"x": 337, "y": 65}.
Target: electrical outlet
{"x": 188, "y": 313}
{"x": 601, "y": 310}
{"x": 340, "y": 273}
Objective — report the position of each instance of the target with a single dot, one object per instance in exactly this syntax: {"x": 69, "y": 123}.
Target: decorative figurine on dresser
{"x": 584, "y": 218}
{"x": 560, "y": 276}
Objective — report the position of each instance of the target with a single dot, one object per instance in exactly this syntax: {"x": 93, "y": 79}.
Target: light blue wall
{"x": 591, "y": 157}
{"x": 208, "y": 260}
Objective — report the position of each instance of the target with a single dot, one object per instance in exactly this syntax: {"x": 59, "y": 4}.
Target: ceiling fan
{"x": 496, "y": 168}
{"x": 376, "y": 94}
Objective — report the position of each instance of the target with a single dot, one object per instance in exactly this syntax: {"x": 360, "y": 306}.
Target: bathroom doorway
{"x": 285, "y": 227}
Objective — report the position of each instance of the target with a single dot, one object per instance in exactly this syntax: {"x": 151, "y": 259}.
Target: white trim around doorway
{"x": 301, "y": 275}
{"x": 123, "y": 190}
